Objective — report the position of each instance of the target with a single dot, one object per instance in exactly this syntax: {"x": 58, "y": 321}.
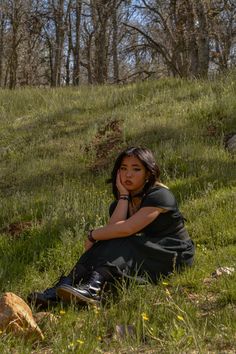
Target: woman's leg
{"x": 79, "y": 273}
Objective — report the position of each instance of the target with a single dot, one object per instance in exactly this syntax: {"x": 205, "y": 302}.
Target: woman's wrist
{"x": 124, "y": 197}
{"x": 90, "y": 237}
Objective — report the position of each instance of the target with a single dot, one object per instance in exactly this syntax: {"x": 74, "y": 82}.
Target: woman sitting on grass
{"x": 145, "y": 237}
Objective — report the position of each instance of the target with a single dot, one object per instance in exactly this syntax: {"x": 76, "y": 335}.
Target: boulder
{"x": 230, "y": 142}
{"x": 17, "y": 317}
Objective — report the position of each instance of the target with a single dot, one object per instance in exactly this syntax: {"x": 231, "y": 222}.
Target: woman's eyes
{"x": 136, "y": 169}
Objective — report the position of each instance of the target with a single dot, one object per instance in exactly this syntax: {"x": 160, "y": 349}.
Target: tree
{"x": 58, "y": 42}
{"x": 2, "y": 28}
{"x": 177, "y": 30}
{"x": 222, "y": 19}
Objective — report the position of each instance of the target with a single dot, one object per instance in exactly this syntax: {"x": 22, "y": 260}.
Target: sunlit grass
{"x": 49, "y": 145}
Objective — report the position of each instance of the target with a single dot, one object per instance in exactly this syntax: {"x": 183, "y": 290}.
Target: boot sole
{"x": 42, "y": 303}
{"x": 70, "y": 295}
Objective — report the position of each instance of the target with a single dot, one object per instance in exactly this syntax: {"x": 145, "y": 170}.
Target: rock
{"x": 16, "y": 317}
{"x": 230, "y": 142}
{"x": 223, "y": 271}
{"x": 218, "y": 273}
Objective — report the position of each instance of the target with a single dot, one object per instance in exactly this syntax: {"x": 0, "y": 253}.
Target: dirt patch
{"x": 106, "y": 142}
{"x": 17, "y": 228}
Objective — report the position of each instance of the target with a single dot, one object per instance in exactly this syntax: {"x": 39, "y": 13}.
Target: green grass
{"x": 56, "y": 151}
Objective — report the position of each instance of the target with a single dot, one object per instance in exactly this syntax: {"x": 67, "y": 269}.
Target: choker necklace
{"x": 138, "y": 195}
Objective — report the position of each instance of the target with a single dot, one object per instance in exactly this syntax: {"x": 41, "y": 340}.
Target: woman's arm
{"x": 120, "y": 212}
{"x": 128, "y": 227}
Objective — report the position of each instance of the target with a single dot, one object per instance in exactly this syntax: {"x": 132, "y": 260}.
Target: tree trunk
{"x": 202, "y": 39}
{"x": 100, "y": 15}
{"x": 13, "y": 62}
{"x": 68, "y": 67}
{"x": 1, "y": 45}
{"x": 59, "y": 24}
{"x": 89, "y": 60}
{"x": 76, "y": 50}
{"x": 191, "y": 41}
{"x": 114, "y": 45}
{"x": 69, "y": 50}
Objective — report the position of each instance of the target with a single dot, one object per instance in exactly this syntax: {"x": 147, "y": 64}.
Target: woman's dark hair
{"x": 147, "y": 159}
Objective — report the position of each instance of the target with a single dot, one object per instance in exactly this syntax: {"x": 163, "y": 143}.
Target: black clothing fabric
{"x": 155, "y": 251}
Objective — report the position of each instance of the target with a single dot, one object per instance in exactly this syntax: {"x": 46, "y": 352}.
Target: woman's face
{"x": 133, "y": 174}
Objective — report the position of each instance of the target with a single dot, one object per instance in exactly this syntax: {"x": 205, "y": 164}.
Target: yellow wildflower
{"x": 167, "y": 292}
{"x": 62, "y": 312}
{"x": 96, "y": 309}
{"x": 70, "y": 345}
{"x": 165, "y": 283}
{"x": 99, "y": 338}
{"x": 145, "y": 316}
{"x": 180, "y": 318}
{"x": 80, "y": 341}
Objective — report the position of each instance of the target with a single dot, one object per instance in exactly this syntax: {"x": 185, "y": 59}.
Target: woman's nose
{"x": 128, "y": 173}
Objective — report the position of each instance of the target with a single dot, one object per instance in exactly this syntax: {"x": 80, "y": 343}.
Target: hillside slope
{"x": 56, "y": 151}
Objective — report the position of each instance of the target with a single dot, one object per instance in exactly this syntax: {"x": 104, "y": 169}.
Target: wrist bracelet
{"x": 90, "y": 237}
{"x": 124, "y": 197}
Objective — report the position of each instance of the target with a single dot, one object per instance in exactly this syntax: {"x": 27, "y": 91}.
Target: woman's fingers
{"x": 119, "y": 185}
{"x": 117, "y": 177}
{"x": 118, "y": 181}
{"x": 87, "y": 245}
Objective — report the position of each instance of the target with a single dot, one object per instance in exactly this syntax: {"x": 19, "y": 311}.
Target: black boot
{"x": 49, "y": 296}
{"x": 89, "y": 292}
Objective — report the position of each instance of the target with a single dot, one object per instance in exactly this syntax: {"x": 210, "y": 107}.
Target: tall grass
{"x": 51, "y": 139}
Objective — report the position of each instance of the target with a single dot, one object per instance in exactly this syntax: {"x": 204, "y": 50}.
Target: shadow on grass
{"x": 196, "y": 172}
{"x": 53, "y": 177}
{"x": 53, "y": 126}
{"x": 17, "y": 255}
{"x": 193, "y": 186}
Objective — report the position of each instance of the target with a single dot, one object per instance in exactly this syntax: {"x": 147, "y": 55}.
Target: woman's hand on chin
{"x": 121, "y": 189}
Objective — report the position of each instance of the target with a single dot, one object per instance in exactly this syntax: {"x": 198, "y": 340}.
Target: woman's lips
{"x": 128, "y": 183}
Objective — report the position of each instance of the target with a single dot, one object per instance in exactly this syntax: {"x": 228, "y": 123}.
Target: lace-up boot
{"x": 49, "y": 296}
{"x": 89, "y": 292}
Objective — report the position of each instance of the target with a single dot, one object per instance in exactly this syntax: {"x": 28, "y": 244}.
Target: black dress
{"x": 157, "y": 250}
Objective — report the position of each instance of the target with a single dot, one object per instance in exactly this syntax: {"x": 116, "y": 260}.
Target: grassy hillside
{"x": 56, "y": 151}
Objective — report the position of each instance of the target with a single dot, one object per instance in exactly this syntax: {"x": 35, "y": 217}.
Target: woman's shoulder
{"x": 158, "y": 189}
{"x": 159, "y": 184}
{"x": 159, "y": 195}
